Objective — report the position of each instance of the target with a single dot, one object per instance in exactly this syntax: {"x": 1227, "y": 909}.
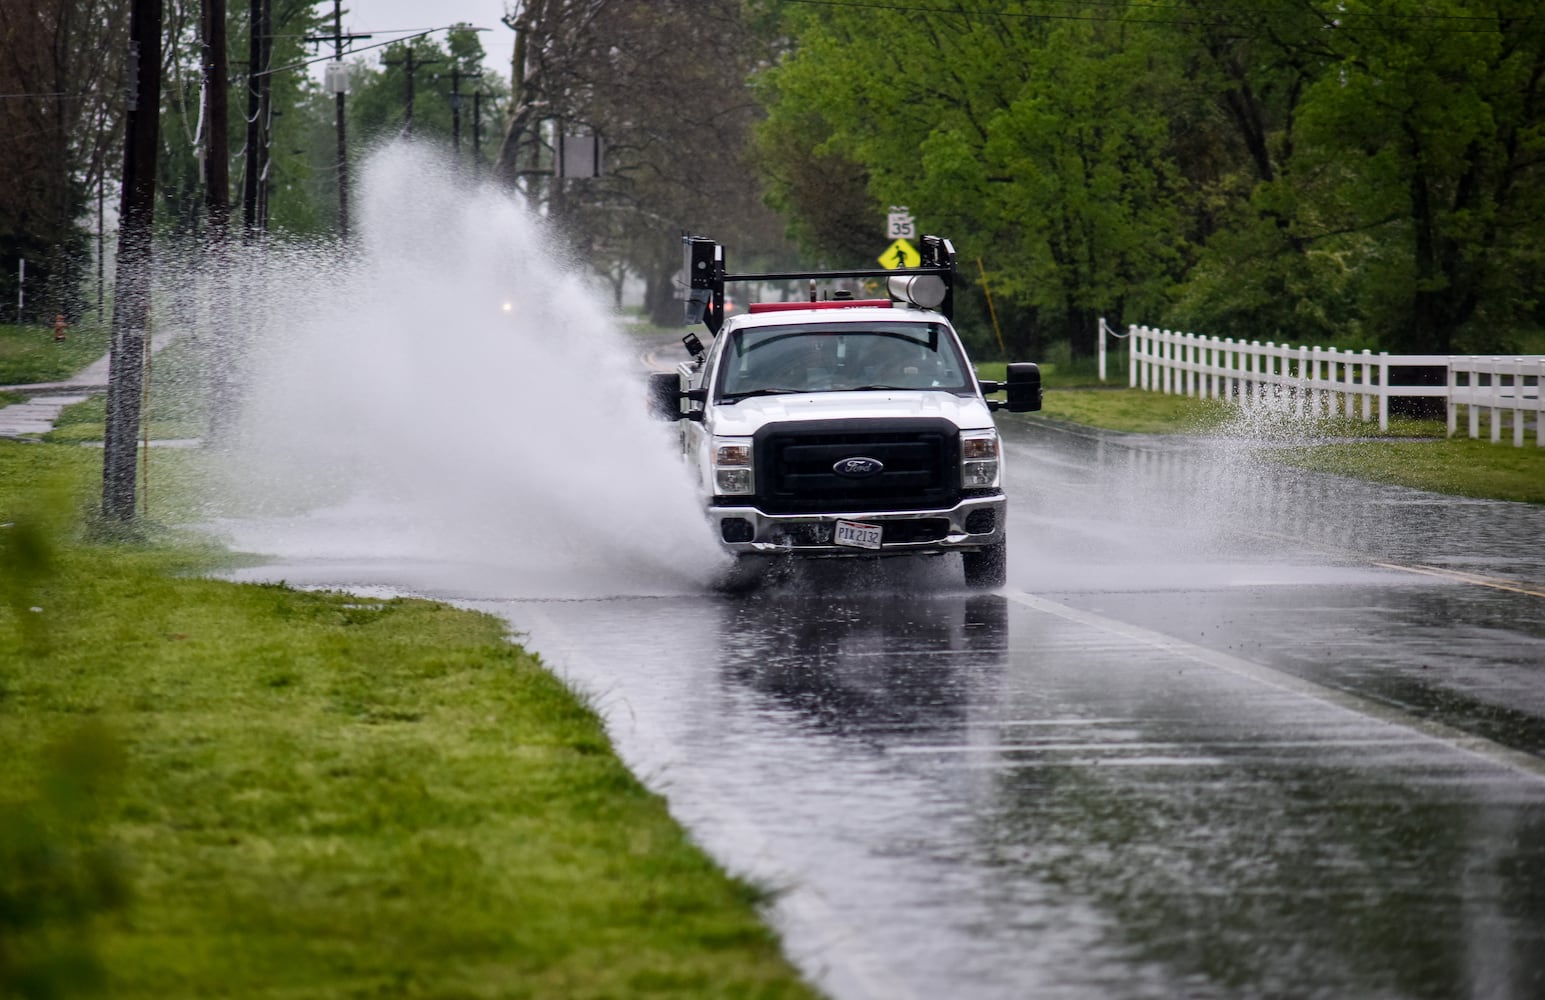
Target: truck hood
{"x": 748, "y": 416}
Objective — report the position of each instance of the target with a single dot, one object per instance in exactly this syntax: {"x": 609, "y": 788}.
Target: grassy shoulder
{"x": 30, "y": 354}
{"x": 215, "y": 788}
{"x": 1458, "y": 466}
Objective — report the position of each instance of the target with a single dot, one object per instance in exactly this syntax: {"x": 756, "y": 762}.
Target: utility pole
{"x": 131, "y": 299}
{"x": 340, "y": 89}
{"x": 217, "y": 163}
{"x": 477, "y": 130}
{"x": 456, "y": 77}
{"x": 409, "y": 65}
{"x": 257, "y": 113}
{"x": 101, "y": 239}
{"x": 343, "y": 148}
{"x": 217, "y": 352}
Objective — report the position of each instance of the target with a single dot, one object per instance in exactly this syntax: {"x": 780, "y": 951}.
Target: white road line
{"x": 1478, "y": 746}
{"x": 1495, "y": 583}
{"x": 1114, "y": 745}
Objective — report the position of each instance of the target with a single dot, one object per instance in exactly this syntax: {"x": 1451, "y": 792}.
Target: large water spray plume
{"x": 457, "y": 393}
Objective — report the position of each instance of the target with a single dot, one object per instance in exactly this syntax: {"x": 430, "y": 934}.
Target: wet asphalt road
{"x": 1229, "y": 732}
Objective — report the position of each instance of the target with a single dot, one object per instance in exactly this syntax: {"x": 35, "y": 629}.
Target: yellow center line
{"x": 1512, "y": 586}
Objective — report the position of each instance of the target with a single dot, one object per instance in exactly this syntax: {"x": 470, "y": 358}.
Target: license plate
{"x": 857, "y": 534}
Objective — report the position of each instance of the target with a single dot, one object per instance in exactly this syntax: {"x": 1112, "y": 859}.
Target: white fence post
{"x": 1301, "y": 381}
{"x": 1099, "y": 335}
{"x": 1364, "y": 375}
{"x": 1451, "y": 405}
{"x": 1539, "y": 403}
{"x": 1493, "y": 382}
{"x": 1170, "y": 359}
{"x": 1514, "y": 373}
{"x": 1474, "y": 397}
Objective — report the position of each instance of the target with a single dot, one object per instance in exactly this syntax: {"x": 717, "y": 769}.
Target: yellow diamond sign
{"x": 900, "y": 254}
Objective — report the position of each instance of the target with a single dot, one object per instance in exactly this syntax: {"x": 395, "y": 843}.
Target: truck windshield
{"x": 835, "y": 357}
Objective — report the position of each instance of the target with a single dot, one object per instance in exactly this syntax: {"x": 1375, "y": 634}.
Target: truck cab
{"x": 841, "y": 427}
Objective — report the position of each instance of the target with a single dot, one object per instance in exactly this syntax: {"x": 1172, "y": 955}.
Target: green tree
{"x": 663, "y": 86}
{"x": 1380, "y": 168}
{"x": 1033, "y": 143}
{"x": 1255, "y": 273}
{"x": 1363, "y": 174}
{"x": 378, "y": 102}
{"x": 1425, "y": 145}
{"x": 61, "y": 66}
{"x": 287, "y": 200}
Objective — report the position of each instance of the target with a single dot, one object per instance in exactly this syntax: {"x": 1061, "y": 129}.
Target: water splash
{"x": 455, "y": 392}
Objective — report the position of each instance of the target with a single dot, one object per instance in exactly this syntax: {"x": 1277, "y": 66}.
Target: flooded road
{"x": 1230, "y": 731}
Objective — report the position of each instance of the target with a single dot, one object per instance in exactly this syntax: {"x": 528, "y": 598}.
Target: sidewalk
{"x": 23, "y": 421}
{"x": 38, "y": 413}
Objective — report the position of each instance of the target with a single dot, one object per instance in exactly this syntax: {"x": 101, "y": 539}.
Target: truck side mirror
{"x": 1024, "y": 387}
{"x": 665, "y": 396}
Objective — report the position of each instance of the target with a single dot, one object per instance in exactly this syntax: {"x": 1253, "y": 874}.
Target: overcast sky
{"x": 388, "y": 20}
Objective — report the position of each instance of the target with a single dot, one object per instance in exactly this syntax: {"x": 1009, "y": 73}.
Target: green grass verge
{"x": 221, "y": 789}
{"x": 87, "y": 421}
{"x": 29, "y": 353}
{"x": 1459, "y": 467}
{"x": 1135, "y": 412}
{"x": 173, "y": 406}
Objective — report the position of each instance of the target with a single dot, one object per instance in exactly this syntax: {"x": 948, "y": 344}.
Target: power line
{"x": 366, "y": 48}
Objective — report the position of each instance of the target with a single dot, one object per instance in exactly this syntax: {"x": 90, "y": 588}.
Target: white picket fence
{"x": 1318, "y": 381}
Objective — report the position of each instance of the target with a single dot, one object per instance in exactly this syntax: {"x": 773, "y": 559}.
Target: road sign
{"x": 900, "y": 254}
{"x": 899, "y": 224}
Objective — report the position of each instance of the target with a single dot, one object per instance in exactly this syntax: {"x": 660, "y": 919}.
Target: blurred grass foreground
{"x": 238, "y": 790}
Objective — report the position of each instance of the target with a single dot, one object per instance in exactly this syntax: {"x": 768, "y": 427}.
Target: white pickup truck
{"x": 843, "y": 427}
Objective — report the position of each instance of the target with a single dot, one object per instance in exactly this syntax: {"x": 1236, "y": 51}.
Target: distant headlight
{"x": 979, "y": 458}
{"x": 733, "y": 470}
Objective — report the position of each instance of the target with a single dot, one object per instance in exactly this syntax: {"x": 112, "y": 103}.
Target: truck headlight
{"x": 979, "y": 458}
{"x": 734, "y": 472}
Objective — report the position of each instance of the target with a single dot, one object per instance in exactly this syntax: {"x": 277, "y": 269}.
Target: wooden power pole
{"x": 131, "y": 297}
{"x": 217, "y": 162}
{"x": 257, "y": 114}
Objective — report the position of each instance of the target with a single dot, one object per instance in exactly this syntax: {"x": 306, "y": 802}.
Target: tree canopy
{"x": 1364, "y": 173}
{"x": 1289, "y": 170}
{"x": 61, "y": 77}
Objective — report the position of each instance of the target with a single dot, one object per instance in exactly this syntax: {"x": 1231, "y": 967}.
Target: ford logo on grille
{"x": 858, "y": 467}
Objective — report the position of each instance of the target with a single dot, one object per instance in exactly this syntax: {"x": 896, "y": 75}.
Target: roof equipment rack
{"x": 706, "y": 278}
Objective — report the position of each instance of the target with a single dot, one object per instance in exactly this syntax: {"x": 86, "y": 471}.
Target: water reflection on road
{"x": 975, "y": 799}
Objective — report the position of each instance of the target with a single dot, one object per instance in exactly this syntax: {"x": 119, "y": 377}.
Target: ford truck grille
{"x": 919, "y": 462}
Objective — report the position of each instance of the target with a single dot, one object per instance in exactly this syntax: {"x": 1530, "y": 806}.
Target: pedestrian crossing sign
{"x": 900, "y": 254}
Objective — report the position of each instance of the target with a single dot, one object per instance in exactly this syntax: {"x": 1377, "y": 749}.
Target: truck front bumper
{"x": 973, "y": 523}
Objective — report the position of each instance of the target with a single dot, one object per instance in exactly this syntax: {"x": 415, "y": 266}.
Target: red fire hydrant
{"x": 60, "y": 326}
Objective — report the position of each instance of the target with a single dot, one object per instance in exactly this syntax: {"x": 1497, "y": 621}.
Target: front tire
{"x": 750, "y": 572}
{"x": 987, "y": 569}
